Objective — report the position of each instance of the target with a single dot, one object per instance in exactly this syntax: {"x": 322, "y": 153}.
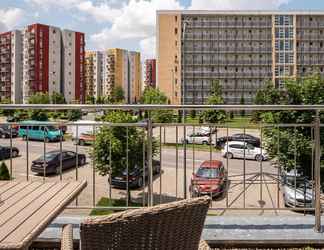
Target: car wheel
{"x": 140, "y": 182}
{"x": 46, "y": 139}
{"x": 229, "y": 155}
{"x": 24, "y": 137}
{"x": 205, "y": 142}
{"x": 3, "y": 136}
{"x": 259, "y": 158}
{"x": 81, "y": 142}
{"x": 14, "y": 153}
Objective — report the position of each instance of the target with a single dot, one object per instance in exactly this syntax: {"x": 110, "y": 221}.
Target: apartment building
{"x": 73, "y": 83}
{"x": 11, "y": 66}
{"x": 242, "y": 50}
{"x": 150, "y": 72}
{"x": 41, "y": 60}
{"x": 93, "y": 75}
{"x": 122, "y": 68}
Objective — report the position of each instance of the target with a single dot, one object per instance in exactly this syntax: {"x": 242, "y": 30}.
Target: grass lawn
{"x": 240, "y": 122}
{"x": 106, "y": 202}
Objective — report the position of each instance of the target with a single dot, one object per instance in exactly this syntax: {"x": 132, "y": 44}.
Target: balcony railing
{"x": 250, "y": 185}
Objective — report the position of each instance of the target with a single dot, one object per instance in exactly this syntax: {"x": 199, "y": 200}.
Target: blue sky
{"x": 127, "y": 24}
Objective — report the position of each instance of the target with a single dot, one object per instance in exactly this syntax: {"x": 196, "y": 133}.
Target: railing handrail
{"x": 99, "y": 107}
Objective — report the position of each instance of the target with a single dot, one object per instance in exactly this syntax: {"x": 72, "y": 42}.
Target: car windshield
{"x": 208, "y": 173}
{"x": 300, "y": 182}
{"x": 48, "y": 157}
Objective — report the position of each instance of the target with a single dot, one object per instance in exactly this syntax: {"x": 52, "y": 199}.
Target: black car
{"x": 5, "y": 152}
{"x": 53, "y": 159}
{"x": 255, "y": 141}
{"x": 6, "y": 131}
{"x": 135, "y": 178}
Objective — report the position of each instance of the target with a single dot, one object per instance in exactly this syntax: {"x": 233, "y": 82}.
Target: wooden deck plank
{"x": 23, "y": 204}
{"x": 8, "y": 186}
{"x": 63, "y": 198}
{"x": 14, "y": 195}
{"x": 20, "y": 215}
{"x": 27, "y": 213}
{"x": 2, "y": 183}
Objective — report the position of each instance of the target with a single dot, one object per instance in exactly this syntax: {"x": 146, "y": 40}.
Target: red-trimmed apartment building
{"x": 53, "y": 62}
{"x": 150, "y": 72}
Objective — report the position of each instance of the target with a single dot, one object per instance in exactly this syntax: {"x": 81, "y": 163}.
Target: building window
{"x": 176, "y": 18}
{"x": 176, "y": 31}
{"x": 54, "y": 31}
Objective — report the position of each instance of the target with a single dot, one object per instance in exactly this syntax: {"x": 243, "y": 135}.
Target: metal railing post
{"x": 317, "y": 173}
{"x": 149, "y": 161}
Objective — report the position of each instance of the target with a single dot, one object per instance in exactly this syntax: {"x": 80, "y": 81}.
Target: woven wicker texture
{"x": 176, "y": 225}
{"x": 67, "y": 237}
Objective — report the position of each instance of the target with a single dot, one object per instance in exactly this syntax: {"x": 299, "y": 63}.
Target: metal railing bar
{"x": 61, "y": 156}
{"x": 98, "y": 107}
{"x": 77, "y": 160}
{"x": 11, "y": 176}
{"x": 127, "y": 168}
{"x": 160, "y": 174}
{"x": 177, "y": 161}
{"x": 93, "y": 173}
{"x": 27, "y": 154}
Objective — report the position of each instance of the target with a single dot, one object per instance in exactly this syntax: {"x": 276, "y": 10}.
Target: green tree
{"x": 4, "y": 172}
{"x": 116, "y": 137}
{"x": 295, "y": 143}
{"x": 214, "y": 116}
{"x": 57, "y": 98}
{"x": 39, "y": 98}
{"x": 74, "y": 114}
{"x": 117, "y": 95}
{"x": 155, "y": 96}
{"x": 90, "y": 99}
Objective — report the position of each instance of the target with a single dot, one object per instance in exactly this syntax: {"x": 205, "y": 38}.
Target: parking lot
{"x": 261, "y": 189}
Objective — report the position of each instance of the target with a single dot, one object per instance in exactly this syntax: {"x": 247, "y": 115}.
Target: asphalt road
{"x": 258, "y": 182}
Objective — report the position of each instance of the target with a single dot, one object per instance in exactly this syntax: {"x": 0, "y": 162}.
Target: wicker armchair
{"x": 176, "y": 225}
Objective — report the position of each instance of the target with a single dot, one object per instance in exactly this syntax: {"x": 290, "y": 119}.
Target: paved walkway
{"x": 227, "y": 230}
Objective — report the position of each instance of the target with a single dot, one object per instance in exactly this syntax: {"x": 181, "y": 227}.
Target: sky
{"x": 128, "y": 24}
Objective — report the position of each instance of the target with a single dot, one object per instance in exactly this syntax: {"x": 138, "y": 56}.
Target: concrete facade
{"x": 242, "y": 50}
{"x": 150, "y": 73}
{"x": 11, "y": 66}
{"x": 93, "y": 73}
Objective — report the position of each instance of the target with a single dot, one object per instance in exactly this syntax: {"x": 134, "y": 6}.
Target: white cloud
{"x": 101, "y": 12}
{"x": 236, "y": 4}
{"x": 11, "y": 18}
{"x": 147, "y": 46}
{"x": 136, "y": 21}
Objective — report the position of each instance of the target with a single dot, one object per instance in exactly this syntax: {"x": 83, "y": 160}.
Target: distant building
{"x": 42, "y": 51}
{"x": 240, "y": 49}
{"x": 44, "y": 59}
{"x": 11, "y": 66}
{"x": 93, "y": 73}
{"x": 150, "y": 72}
{"x": 122, "y": 68}
{"x": 73, "y": 66}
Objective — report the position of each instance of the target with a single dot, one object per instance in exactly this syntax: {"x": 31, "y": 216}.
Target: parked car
{"x": 135, "y": 178}
{"x": 198, "y": 138}
{"x": 5, "y": 152}
{"x": 209, "y": 179}
{"x": 84, "y": 139}
{"x": 239, "y": 149}
{"x": 52, "y": 161}
{"x": 6, "y": 131}
{"x": 297, "y": 194}
{"x": 36, "y": 130}
{"x": 255, "y": 141}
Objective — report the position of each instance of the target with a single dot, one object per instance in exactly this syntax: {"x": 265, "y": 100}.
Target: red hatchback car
{"x": 209, "y": 179}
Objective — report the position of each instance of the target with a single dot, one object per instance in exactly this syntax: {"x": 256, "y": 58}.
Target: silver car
{"x": 296, "y": 190}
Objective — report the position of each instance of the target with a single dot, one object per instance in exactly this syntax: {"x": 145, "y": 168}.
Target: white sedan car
{"x": 198, "y": 138}
{"x": 239, "y": 149}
